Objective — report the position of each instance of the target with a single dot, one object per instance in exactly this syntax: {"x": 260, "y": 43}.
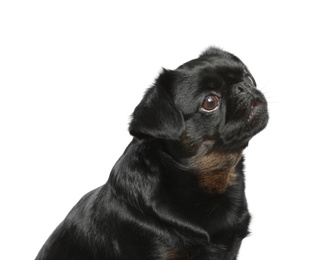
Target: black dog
{"x": 177, "y": 192}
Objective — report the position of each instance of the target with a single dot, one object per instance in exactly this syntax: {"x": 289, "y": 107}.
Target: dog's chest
{"x": 199, "y": 253}
{"x": 216, "y": 171}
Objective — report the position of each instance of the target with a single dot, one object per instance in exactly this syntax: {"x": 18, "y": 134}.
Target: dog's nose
{"x": 241, "y": 87}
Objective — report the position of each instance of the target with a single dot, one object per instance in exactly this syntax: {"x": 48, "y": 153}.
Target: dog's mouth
{"x": 248, "y": 115}
{"x": 248, "y": 109}
{"x": 254, "y": 109}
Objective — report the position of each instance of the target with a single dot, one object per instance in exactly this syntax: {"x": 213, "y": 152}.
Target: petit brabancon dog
{"x": 178, "y": 190}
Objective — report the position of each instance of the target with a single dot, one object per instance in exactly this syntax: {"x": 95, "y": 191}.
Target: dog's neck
{"x": 215, "y": 169}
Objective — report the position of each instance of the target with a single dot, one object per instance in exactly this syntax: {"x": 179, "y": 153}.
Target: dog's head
{"x": 211, "y": 100}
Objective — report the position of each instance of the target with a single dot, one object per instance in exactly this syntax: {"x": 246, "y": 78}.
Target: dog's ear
{"x": 157, "y": 116}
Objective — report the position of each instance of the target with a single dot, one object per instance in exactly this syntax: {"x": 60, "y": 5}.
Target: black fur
{"x": 177, "y": 192}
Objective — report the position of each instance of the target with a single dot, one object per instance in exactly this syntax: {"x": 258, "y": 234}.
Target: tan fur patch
{"x": 216, "y": 170}
{"x": 177, "y": 255}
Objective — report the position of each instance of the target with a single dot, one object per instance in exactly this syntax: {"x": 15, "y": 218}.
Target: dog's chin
{"x": 238, "y": 133}
{"x": 256, "y": 119}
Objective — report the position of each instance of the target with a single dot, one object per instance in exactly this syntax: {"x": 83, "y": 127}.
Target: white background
{"x": 71, "y": 73}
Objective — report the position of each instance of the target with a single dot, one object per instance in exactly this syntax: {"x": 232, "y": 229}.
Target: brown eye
{"x": 210, "y": 103}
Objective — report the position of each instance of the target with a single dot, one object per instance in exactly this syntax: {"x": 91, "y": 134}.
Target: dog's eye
{"x": 210, "y": 103}
{"x": 248, "y": 79}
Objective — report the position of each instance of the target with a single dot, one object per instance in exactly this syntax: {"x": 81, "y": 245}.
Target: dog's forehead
{"x": 216, "y": 64}
{"x": 210, "y": 71}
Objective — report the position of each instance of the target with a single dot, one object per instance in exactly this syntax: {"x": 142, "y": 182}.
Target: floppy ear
{"x": 157, "y": 116}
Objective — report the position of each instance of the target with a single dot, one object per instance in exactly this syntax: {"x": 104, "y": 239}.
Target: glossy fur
{"x": 178, "y": 190}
